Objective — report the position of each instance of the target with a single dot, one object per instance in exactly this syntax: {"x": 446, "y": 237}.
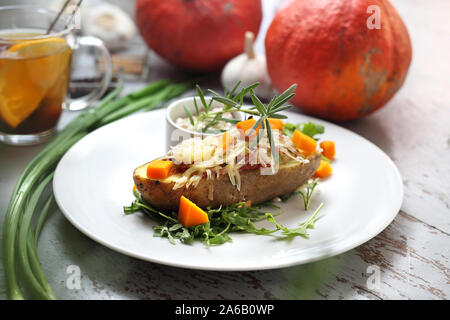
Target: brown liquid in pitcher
{"x": 34, "y": 78}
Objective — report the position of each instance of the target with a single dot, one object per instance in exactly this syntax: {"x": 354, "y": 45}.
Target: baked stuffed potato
{"x": 223, "y": 170}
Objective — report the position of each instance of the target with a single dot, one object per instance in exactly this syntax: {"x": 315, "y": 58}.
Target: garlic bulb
{"x": 110, "y": 23}
{"x": 248, "y": 68}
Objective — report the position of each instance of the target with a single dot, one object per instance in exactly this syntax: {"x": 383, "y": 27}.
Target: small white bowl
{"x": 174, "y": 133}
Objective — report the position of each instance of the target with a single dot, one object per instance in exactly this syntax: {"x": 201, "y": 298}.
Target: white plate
{"x": 93, "y": 181}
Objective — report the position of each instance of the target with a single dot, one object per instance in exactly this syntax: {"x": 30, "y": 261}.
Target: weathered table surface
{"x": 412, "y": 254}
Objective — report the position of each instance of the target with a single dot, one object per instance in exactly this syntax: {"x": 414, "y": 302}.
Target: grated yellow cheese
{"x": 206, "y": 156}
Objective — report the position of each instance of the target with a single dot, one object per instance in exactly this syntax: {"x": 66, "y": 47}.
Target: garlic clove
{"x": 248, "y": 68}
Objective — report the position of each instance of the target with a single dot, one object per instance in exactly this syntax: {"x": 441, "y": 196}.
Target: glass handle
{"x": 95, "y": 95}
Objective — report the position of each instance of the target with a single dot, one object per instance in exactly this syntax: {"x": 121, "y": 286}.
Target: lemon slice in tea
{"x": 30, "y": 70}
{"x": 46, "y": 59}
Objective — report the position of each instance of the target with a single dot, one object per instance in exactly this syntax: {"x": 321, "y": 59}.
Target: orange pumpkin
{"x": 197, "y": 35}
{"x": 344, "y": 69}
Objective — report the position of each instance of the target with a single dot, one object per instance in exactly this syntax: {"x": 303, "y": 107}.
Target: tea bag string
{"x": 61, "y": 12}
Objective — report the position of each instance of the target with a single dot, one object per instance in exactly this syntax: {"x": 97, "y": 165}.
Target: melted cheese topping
{"x": 206, "y": 157}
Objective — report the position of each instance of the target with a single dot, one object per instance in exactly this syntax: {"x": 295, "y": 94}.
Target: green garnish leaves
{"x": 312, "y": 129}
{"x": 302, "y": 230}
{"x": 197, "y": 110}
{"x": 306, "y": 191}
{"x": 189, "y": 114}
{"x": 176, "y": 231}
{"x": 289, "y": 128}
{"x": 309, "y": 128}
{"x": 266, "y": 111}
{"x": 233, "y": 102}
{"x": 222, "y": 221}
{"x": 133, "y": 208}
{"x": 202, "y": 98}
{"x": 209, "y": 118}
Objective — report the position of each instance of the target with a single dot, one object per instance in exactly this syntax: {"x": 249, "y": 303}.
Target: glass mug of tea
{"x": 35, "y": 70}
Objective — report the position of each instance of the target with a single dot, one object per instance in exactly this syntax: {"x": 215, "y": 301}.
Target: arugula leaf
{"x": 131, "y": 208}
{"x": 309, "y": 128}
{"x": 289, "y": 129}
{"x": 302, "y": 230}
{"x": 312, "y": 129}
{"x": 222, "y": 221}
{"x": 162, "y": 231}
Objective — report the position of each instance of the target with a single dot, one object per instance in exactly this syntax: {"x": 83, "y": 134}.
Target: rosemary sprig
{"x": 261, "y": 110}
{"x": 233, "y": 101}
{"x": 271, "y": 110}
{"x": 207, "y": 106}
{"x": 204, "y": 112}
{"x": 234, "y": 98}
{"x": 189, "y": 114}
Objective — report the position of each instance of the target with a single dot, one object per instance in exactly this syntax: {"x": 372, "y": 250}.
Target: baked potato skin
{"x": 255, "y": 187}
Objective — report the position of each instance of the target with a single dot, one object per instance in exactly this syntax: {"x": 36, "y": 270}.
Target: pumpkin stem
{"x": 248, "y": 44}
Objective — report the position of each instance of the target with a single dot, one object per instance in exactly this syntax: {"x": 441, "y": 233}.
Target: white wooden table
{"x": 411, "y": 256}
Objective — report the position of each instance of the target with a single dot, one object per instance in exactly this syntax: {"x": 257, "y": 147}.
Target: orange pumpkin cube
{"x": 246, "y": 125}
{"x": 159, "y": 169}
{"x": 305, "y": 143}
{"x": 328, "y": 148}
{"x": 324, "y": 170}
{"x": 189, "y": 214}
{"x": 276, "y": 124}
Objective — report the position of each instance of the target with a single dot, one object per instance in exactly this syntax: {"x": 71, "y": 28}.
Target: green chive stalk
{"x": 30, "y": 277}
{"x": 19, "y": 236}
